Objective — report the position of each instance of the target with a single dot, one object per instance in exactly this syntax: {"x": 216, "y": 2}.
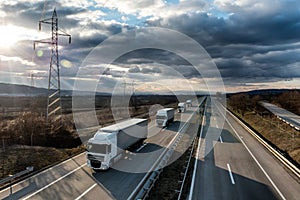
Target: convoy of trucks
{"x": 109, "y": 143}
{"x": 164, "y": 117}
{"x": 181, "y": 107}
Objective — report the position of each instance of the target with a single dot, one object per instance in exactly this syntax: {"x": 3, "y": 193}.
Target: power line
{"x": 54, "y": 96}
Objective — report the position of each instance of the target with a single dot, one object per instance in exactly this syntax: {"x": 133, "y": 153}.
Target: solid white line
{"x": 141, "y": 147}
{"x": 42, "y": 172}
{"x": 86, "y": 191}
{"x": 230, "y": 174}
{"x": 262, "y": 169}
{"x": 54, "y": 182}
{"x": 159, "y": 158}
{"x": 221, "y": 139}
{"x": 150, "y": 127}
{"x": 196, "y": 161}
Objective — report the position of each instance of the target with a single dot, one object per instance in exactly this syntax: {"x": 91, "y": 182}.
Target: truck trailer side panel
{"x": 131, "y": 135}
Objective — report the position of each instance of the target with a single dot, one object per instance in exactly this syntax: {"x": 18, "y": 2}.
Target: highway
{"x": 238, "y": 166}
{"x": 72, "y": 179}
{"x": 285, "y": 115}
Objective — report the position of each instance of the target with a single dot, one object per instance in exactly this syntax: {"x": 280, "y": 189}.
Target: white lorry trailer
{"x": 164, "y": 117}
{"x": 181, "y": 107}
{"x": 109, "y": 143}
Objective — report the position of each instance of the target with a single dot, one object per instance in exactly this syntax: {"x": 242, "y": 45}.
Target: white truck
{"x": 109, "y": 143}
{"x": 164, "y": 117}
{"x": 181, "y": 107}
{"x": 189, "y": 103}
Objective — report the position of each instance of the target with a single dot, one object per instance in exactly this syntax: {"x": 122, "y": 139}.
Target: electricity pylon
{"x": 54, "y": 97}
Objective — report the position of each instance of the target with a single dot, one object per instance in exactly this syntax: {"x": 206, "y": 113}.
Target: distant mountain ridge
{"x": 263, "y": 91}
{"x": 7, "y": 89}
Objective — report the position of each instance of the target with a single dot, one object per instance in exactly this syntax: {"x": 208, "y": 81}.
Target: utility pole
{"x": 133, "y": 95}
{"x": 54, "y": 97}
{"x": 31, "y": 79}
{"x": 124, "y": 89}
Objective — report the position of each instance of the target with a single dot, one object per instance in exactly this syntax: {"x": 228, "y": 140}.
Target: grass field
{"x": 276, "y": 132}
{"x": 27, "y": 140}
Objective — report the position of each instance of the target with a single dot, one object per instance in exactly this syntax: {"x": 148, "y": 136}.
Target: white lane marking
{"x": 86, "y": 191}
{"x": 150, "y": 127}
{"x": 262, "y": 169}
{"x": 221, "y": 139}
{"x": 230, "y": 174}
{"x": 217, "y": 126}
{"x": 164, "y": 129}
{"x": 43, "y": 172}
{"x": 197, "y": 156}
{"x": 74, "y": 170}
{"x": 141, "y": 147}
{"x": 159, "y": 158}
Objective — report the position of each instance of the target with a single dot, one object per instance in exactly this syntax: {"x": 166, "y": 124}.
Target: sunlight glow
{"x": 11, "y": 34}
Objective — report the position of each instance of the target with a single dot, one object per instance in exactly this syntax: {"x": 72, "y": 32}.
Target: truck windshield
{"x": 98, "y": 148}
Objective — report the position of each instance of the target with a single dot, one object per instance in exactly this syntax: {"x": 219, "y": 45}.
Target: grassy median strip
{"x": 168, "y": 183}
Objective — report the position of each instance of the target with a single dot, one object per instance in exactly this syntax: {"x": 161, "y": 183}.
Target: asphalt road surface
{"x": 238, "y": 166}
{"x": 287, "y": 116}
{"x": 72, "y": 179}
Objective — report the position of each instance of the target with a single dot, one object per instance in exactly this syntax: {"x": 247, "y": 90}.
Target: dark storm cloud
{"x": 28, "y": 15}
{"x": 149, "y": 55}
{"x": 134, "y": 70}
{"x": 148, "y": 58}
{"x": 145, "y": 70}
{"x": 245, "y": 45}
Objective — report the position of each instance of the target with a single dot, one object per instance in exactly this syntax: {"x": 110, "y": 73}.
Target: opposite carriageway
{"x": 237, "y": 165}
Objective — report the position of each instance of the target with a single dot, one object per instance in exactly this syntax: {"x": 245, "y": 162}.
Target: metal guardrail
{"x": 10, "y": 178}
{"x": 186, "y": 169}
{"x": 290, "y": 121}
{"x": 190, "y": 195}
{"x": 279, "y": 156}
{"x": 144, "y": 187}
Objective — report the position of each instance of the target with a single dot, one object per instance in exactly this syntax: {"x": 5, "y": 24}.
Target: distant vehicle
{"x": 189, "y": 103}
{"x": 109, "y": 143}
{"x": 181, "y": 107}
{"x": 164, "y": 117}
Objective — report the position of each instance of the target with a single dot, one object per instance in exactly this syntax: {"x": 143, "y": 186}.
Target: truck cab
{"x": 109, "y": 143}
{"x": 181, "y": 107}
{"x": 189, "y": 103}
{"x": 100, "y": 150}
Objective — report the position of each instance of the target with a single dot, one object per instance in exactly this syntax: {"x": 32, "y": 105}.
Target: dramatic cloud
{"x": 250, "y": 41}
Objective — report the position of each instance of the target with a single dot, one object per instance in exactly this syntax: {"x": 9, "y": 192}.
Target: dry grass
{"x": 21, "y": 129}
{"x": 284, "y": 137}
{"x": 17, "y": 158}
